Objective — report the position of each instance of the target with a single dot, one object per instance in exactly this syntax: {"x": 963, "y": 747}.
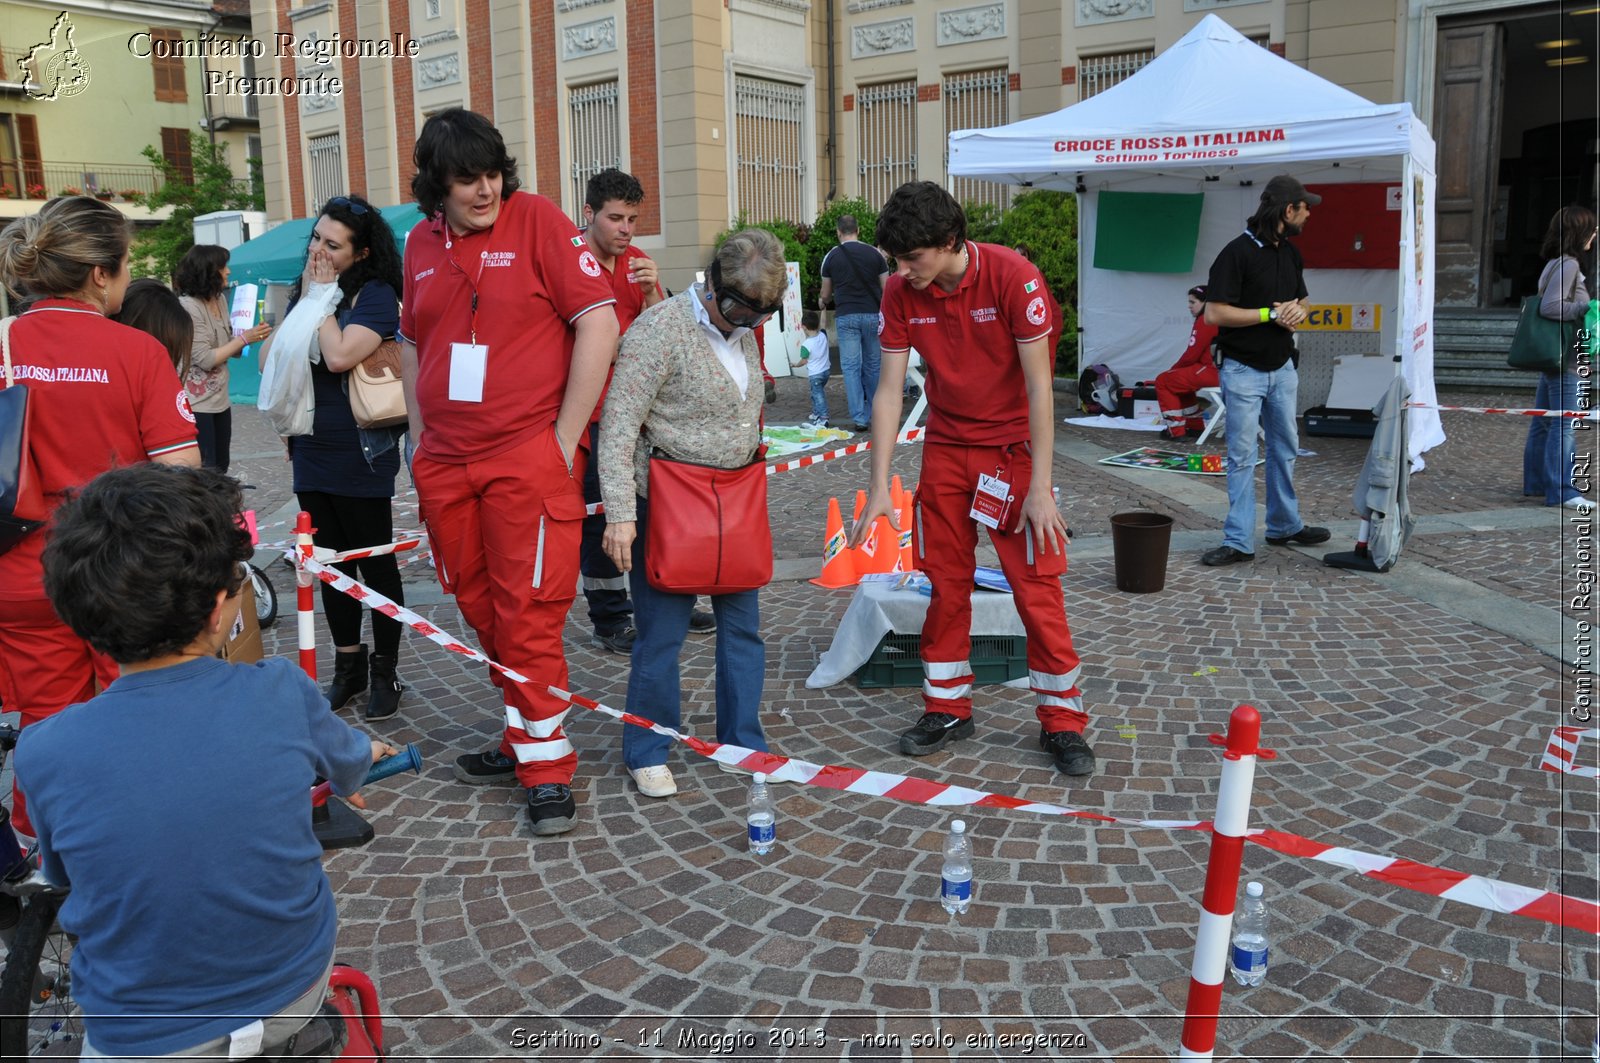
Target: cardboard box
{"x": 244, "y": 641}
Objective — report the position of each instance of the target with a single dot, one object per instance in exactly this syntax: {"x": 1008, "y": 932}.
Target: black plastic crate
{"x": 897, "y": 662}
{"x": 1332, "y": 421}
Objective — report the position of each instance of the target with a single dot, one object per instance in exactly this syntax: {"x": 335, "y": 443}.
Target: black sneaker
{"x": 551, "y": 809}
{"x": 618, "y": 641}
{"x": 1069, "y": 750}
{"x": 1309, "y": 535}
{"x": 1225, "y": 555}
{"x": 486, "y": 767}
{"x": 933, "y": 732}
{"x": 702, "y": 621}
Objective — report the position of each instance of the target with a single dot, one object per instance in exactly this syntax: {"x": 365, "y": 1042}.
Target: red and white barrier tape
{"x": 1474, "y": 890}
{"x": 1562, "y": 753}
{"x": 1588, "y": 415}
{"x": 330, "y": 557}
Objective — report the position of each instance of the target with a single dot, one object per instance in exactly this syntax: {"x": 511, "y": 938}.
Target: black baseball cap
{"x": 1286, "y": 189}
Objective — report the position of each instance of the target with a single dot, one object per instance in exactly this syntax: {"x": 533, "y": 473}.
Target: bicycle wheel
{"x": 36, "y": 1005}
{"x": 266, "y": 597}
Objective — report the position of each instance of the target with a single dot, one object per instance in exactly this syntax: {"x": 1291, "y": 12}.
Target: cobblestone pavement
{"x": 1408, "y": 710}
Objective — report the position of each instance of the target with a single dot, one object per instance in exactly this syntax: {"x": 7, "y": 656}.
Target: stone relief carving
{"x": 1213, "y": 5}
{"x": 565, "y": 6}
{"x": 972, "y": 24}
{"x": 856, "y": 7}
{"x": 883, "y": 38}
{"x": 442, "y": 70}
{"x": 438, "y": 38}
{"x": 1091, "y": 12}
{"x": 589, "y": 38}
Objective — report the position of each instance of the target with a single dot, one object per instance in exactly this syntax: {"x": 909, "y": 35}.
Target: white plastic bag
{"x": 286, "y": 395}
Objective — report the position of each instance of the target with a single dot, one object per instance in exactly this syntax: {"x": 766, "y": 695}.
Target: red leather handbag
{"x": 708, "y": 531}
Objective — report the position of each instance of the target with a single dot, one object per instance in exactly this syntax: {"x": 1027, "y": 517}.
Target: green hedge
{"x": 1045, "y": 223}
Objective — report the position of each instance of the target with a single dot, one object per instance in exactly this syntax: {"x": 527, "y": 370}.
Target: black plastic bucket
{"x": 1139, "y": 542}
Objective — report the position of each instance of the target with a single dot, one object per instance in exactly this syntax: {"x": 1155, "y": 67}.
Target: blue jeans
{"x": 1266, "y": 400}
{"x": 1547, "y": 457}
{"x": 819, "y": 396}
{"x": 859, "y": 359}
{"x": 654, "y": 690}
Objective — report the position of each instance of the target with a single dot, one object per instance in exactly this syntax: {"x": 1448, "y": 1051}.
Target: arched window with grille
{"x": 769, "y": 149}
{"x": 594, "y": 137}
{"x": 977, "y": 99}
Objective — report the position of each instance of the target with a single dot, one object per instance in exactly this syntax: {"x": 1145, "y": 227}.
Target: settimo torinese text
{"x": 321, "y": 51}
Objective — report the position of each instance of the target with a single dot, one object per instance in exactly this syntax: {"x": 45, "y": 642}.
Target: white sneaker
{"x": 1579, "y": 503}
{"x": 654, "y": 780}
{"x": 736, "y": 769}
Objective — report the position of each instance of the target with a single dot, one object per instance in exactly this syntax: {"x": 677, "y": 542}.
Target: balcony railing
{"x": 25, "y": 180}
{"x": 11, "y": 64}
{"x": 236, "y": 108}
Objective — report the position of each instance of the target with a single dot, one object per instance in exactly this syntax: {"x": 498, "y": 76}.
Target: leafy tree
{"x": 158, "y": 250}
{"x": 1046, "y": 224}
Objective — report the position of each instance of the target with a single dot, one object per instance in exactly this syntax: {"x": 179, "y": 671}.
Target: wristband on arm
{"x": 1266, "y": 314}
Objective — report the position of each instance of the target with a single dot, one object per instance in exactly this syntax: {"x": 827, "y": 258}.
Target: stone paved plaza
{"x": 1408, "y": 710}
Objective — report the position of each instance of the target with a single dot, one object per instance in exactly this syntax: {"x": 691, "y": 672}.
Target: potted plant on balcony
{"x": 104, "y": 194}
{"x": 7, "y": 192}
{"x": 72, "y": 190}
{"x": 130, "y": 194}
{"x": 36, "y": 191}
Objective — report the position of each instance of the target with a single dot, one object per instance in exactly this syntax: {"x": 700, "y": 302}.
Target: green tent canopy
{"x": 278, "y": 255}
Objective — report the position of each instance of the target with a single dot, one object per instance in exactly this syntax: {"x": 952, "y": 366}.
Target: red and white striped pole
{"x": 1199, "y": 1038}
{"x": 305, "y": 601}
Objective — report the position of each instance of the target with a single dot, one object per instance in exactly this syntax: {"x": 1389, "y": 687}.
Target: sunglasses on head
{"x": 349, "y": 204}
{"x": 729, "y": 298}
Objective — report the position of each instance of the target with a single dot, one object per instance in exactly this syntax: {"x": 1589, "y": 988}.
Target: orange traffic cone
{"x": 838, "y": 563}
{"x": 907, "y": 561}
{"x": 880, "y": 550}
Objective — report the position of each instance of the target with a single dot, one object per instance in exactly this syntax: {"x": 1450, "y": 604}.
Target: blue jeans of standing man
{"x": 1265, "y": 400}
{"x": 859, "y": 360}
{"x": 1547, "y": 456}
{"x": 819, "y": 396}
{"x": 654, "y": 691}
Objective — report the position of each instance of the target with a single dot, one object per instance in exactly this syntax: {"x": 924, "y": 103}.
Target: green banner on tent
{"x": 1147, "y": 232}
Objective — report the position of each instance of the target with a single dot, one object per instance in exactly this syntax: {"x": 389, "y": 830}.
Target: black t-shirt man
{"x": 1250, "y": 273}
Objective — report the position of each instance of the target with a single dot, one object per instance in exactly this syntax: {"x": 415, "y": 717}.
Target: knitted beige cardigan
{"x": 669, "y": 391}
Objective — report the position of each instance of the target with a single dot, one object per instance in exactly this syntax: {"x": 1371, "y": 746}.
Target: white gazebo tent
{"x": 1219, "y": 114}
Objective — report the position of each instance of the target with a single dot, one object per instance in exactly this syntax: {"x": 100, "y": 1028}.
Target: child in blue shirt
{"x": 176, "y": 803}
{"x": 814, "y": 348}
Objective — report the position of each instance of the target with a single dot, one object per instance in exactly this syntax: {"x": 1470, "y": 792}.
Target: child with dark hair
{"x": 175, "y": 803}
{"x": 152, "y": 307}
{"x": 814, "y": 355}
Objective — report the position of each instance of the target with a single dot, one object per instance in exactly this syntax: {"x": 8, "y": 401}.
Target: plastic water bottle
{"x": 955, "y": 881}
{"x": 762, "y": 818}
{"x": 1248, "y": 959}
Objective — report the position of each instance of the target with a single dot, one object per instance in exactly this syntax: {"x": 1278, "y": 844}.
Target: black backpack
{"x": 1097, "y": 390}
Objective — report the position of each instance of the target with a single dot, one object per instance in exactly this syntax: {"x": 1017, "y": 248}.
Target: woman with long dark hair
{"x": 152, "y": 307}
{"x": 100, "y": 395}
{"x": 1547, "y": 458}
{"x": 201, "y": 280}
{"x": 343, "y": 474}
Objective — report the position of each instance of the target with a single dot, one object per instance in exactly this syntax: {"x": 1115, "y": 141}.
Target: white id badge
{"x": 468, "y": 363}
{"x": 991, "y": 501}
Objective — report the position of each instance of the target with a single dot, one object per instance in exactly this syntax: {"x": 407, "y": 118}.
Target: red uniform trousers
{"x": 44, "y": 667}
{"x": 1176, "y": 392}
{"x": 947, "y": 543}
{"x": 505, "y": 533}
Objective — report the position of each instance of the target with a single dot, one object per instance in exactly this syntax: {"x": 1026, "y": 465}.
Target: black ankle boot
{"x": 349, "y": 677}
{"x": 386, "y": 689}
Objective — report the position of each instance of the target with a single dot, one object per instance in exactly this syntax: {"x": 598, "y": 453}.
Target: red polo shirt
{"x": 630, "y": 304}
{"x": 101, "y": 395}
{"x": 968, "y": 337}
{"x": 534, "y": 277}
